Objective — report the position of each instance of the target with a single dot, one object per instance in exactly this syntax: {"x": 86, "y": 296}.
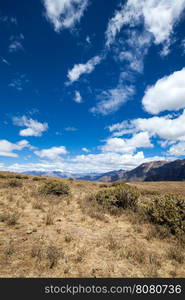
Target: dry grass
{"x": 161, "y": 186}
{"x": 51, "y": 236}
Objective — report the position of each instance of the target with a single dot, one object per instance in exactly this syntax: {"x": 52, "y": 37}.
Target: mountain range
{"x": 152, "y": 171}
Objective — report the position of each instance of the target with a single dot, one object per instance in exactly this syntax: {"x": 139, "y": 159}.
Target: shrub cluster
{"x": 54, "y": 187}
{"x": 168, "y": 210}
{"x": 121, "y": 196}
{"x": 14, "y": 183}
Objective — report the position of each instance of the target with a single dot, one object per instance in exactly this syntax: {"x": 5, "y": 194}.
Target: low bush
{"x": 118, "y": 183}
{"x": 168, "y": 210}
{"x": 14, "y": 183}
{"x": 120, "y": 196}
{"x": 37, "y": 178}
{"x": 54, "y": 187}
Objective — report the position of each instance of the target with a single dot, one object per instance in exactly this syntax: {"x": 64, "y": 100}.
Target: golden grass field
{"x": 51, "y": 236}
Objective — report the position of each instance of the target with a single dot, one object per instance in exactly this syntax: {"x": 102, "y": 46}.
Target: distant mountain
{"x": 142, "y": 172}
{"x": 156, "y": 171}
{"x": 171, "y": 171}
{"x": 152, "y": 171}
{"x": 112, "y": 176}
{"x": 80, "y": 176}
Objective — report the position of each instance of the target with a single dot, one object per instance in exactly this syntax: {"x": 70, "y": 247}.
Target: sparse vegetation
{"x": 96, "y": 231}
{"x": 36, "y": 178}
{"x": 120, "y": 196}
{"x": 54, "y": 187}
{"x": 168, "y": 210}
{"x": 14, "y": 183}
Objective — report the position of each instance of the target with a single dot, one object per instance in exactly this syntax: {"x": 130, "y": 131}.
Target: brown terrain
{"x": 71, "y": 236}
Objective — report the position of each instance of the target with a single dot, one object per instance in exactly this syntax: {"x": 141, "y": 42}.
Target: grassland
{"x": 45, "y": 235}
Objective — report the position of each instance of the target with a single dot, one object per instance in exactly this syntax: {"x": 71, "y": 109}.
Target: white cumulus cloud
{"x": 33, "y": 127}
{"x": 169, "y": 127}
{"x": 120, "y": 145}
{"x": 168, "y": 93}
{"x": 8, "y": 149}
{"x": 52, "y": 153}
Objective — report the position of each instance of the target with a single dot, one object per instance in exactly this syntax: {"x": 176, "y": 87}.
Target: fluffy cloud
{"x": 177, "y": 149}
{"x": 64, "y": 13}
{"x": 78, "y": 97}
{"x": 168, "y": 127}
{"x": 167, "y": 94}
{"x": 85, "y": 150}
{"x": 52, "y": 153}
{"x": 79, "y": 69}
{"x": 103, "y": 162}
{"x": 111, "y": 100}
{"x": 33, "y": 127}
{"x": 160, "y": 16}
{"x": 7, "y": 148}
{"x": 118, "y": 145}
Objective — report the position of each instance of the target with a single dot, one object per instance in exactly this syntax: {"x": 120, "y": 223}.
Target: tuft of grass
{"x": 49, "y": 217}
{"x": 12, "y": 218}
{"x": 175, "y": 252}
{"x": 53, "y": 256}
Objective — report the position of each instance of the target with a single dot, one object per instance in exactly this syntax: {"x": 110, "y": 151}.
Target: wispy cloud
{"x": 111, "y": 100}
{"x": 79, "y": 69}
{"x": 5, "y": 61}
{"x": 64, "y": 14}
{"x": 33, "y": 127}
{"x": 19, "y": 82}
{"x": 16, "y": 43}
{"x": 7, "y": 19}
{"x": 70, "y": 128}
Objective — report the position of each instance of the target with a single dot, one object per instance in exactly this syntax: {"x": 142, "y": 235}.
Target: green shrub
{"x": 168, "y": 210}
{"x": 2, "y": 176}
{"x": 36, "y": 178}
{"x": 14, "y": 183}
{"x": 118, "y": 183}
{"x": 149, "y": 192}
{"x": 121, "y": 196}
{"x": 57, "y": 188}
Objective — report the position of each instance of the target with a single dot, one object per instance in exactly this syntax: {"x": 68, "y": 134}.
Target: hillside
{"x": 43, "y": 235}
{"x": 152, "y": 171}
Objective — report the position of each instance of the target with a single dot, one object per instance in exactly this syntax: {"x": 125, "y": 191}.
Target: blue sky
{"x": 90, "y": 85}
